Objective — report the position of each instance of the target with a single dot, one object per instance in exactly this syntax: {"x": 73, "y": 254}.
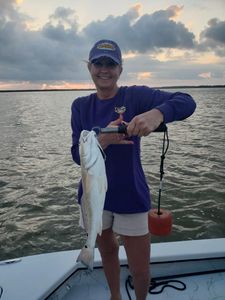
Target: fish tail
{"x": 86, "y": 257}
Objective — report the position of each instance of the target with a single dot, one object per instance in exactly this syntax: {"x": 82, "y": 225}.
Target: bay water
{"x": 38, "y": 179}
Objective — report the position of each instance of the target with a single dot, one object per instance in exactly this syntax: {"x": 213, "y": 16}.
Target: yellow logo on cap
{"x": 106, "y": 46}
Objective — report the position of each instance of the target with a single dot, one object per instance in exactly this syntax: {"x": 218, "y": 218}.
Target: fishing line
{"x": 165, "y": 148}
{"x": 160, "y": 220}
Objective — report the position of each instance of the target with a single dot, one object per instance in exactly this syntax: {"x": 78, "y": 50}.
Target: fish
{"x": 94, "y": 183}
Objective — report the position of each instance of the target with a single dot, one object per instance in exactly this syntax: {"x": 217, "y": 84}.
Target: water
{"x": 38, "y": 179}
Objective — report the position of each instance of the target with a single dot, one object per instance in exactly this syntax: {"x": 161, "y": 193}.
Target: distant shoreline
{"x": 162, "y": 87}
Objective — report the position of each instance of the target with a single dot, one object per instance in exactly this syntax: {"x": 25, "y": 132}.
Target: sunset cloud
{"x": 66, "y": 85}
{"x": 144, "y": 75}
{"x": 205, "y": 75}
{"x": 18, "y": 2}
{"x": 152, "y": 43}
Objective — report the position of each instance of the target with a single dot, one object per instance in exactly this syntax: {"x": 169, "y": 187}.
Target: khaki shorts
{"x": 126, "y": 224}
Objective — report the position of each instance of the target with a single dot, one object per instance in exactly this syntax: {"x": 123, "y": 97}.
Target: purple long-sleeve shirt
{"x": 128, "y": 191}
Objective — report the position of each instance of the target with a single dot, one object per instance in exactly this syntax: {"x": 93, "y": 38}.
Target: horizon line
{"x": 93, "y": 89}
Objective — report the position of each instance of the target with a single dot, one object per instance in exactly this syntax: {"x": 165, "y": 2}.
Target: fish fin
{"x": 82, "y": 223}
{"x": 86, "y": 257}
{"x": 81, "y": 220}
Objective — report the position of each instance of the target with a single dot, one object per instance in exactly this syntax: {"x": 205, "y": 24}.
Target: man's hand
{"x": 106, "y": 139}
{"x": 144, "y": 124}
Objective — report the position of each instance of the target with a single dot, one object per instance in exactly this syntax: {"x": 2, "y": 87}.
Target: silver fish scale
{"x": 94, "y": 182}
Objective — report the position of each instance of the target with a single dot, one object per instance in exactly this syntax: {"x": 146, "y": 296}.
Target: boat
{"x": 192, "y": 269}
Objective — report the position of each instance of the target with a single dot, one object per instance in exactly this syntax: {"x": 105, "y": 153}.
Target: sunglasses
{"x": 110, "y": 64}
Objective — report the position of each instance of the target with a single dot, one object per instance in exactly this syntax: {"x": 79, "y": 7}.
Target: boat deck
{"x": 194, "y": 276}
{"x": 92, "y": 286}
{"x": 198, "y": 265}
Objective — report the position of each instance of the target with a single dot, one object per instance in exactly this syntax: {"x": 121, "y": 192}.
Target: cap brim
{"x": 106, "y": 55}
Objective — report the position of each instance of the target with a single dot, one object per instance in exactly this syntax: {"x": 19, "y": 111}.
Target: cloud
{"x": 215, "y": 31}
{"x": 46, "y": 54}
{"x": 56, "y": 51}
{"x": 144, "y": 75}
{"x": 9, "y": 12}
{"x": 213, "y": 37}
{"x": 205, "y": 75}
{"x": 144, "y": 33}
{"x": 65, "y": 16}
{"x": 62, "y": 26}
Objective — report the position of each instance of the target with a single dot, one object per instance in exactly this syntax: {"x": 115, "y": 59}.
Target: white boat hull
{"x": 200, "y": 265}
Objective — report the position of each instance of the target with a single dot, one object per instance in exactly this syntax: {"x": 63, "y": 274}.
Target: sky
{"x": 44, "y": 44}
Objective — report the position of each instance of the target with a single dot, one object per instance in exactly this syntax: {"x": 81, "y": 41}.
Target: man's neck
{"x": 104, "y": 94}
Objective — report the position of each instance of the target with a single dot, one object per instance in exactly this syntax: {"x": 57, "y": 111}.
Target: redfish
{"x": 94, "y": 183}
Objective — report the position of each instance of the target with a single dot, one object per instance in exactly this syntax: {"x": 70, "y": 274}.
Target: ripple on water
{"x": 39, "y": 181}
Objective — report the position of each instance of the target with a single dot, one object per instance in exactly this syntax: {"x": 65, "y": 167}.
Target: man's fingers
{"x": 116, "y": 122}
{"x": 126, "y": 142}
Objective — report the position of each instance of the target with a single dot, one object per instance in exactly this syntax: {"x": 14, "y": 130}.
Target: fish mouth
{"x": 85, "y": 135}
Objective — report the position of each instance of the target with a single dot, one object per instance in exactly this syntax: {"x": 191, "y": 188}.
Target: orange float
{"x": 160, "y": 222}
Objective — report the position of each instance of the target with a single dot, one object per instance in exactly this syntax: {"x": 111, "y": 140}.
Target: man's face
{"x": 105, "y": 73}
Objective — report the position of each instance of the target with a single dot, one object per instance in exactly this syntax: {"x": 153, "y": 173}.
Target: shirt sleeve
{"x": 76, "y": 130}
{"x": 178, "y": 106}
{"x": 174, "y": 106}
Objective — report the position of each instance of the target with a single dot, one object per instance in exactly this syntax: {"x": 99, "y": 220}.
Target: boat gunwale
{"x": 155, "y": 278}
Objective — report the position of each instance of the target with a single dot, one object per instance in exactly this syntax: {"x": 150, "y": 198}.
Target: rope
{"x": 166, "y": 283}
{"x": 175, "y": 284}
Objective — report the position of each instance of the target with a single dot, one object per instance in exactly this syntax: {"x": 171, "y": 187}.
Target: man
{"x": 127, "y": 200}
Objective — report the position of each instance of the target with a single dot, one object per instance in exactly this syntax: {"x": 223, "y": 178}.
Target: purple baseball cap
{"x": 106, "y": 48}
